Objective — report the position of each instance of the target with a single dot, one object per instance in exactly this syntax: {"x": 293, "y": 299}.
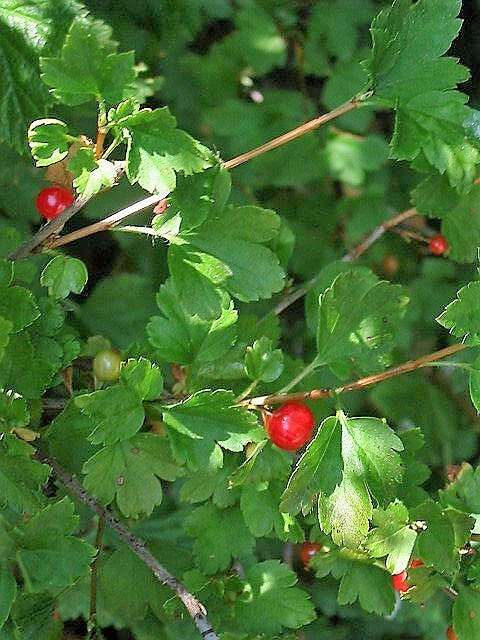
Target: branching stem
{"x": 357, "y": 385}
{"x": 195, "y": 608}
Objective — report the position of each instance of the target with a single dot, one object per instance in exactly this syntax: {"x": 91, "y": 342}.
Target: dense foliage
{"x": 151, "y": 362}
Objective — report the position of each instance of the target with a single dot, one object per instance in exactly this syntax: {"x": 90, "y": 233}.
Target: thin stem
{"x": 92, "y": 617}
{"x": 107, "y": 223}
{"x": 129, "y": 228}
{"x": 298, "y": 378}
{"x": 357, "y": 385}
{"x": 195, "y": 608}
{"x": 352, "y": 255}
{"x": 311, "y": 125}
{"x": 246, "y": 392}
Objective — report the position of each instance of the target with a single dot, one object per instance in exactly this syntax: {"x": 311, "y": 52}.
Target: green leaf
{"x": 349, "y": 461}
{"x": 184, "y": 339}
{"x": 23, "y": 97}
{"x": 8, "y": 591}
{"x": 103, "y": 74}
{"x": 49, "y": 556}
{"x": 436, "y": 544}
{"x": 262, "y": 362}
{"x": 259, "y": 505}
{"x": 211, "y": 416}
{"x": 358, "y": 320}
{"x": 269, "y": 584}
{"x": 130, "y": 472}
{"x": 33, "y": 616}
{"x": 18, "y": 306}
{"x": 64, "y": 275}
{"x": 406, "y": 59}
{"x": 20, "y": 477}
{"x": 49, "y": 141}
{"x": 91, "y": 176}
{"x": 117, "y": 413}
{"x": 13, "y": 412}
{"x": 25, "y": 368}
{"x": 157, "y": 150}
{"x": 392, "y": 537}
{"x": 461, "y": 316}
{"x": 464, "y": 493}
{"x": 220, "y": 536}
{"x": 143, "y": 376}
{"x": 466, "y": 614}
{"x": 360, "y": 580}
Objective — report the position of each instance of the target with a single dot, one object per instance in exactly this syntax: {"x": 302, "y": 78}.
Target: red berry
{"x": 399, "y": 582}
{"x": 53, "y": 200}
{"x": 451, "y": 635}
{"x": 290, "y": 426}
{"x": 416, "y": 563}
{"x": 438, "y": 245}
{"x": 308, "y": 550}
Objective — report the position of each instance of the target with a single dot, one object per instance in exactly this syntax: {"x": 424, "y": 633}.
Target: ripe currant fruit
{"x": 399, "y": 582}
{"x": 416, "y": 563}
{"x": 451, "y": 635}
{"x": 438, "y": 245}
{"x": 106, "y": 365}
{"x": 52, "y": 201}
{"x": 290, "y": 426}
{"x": 307, "y": 551}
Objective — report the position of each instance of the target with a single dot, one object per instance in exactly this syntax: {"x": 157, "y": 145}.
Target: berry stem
{"x": 352, "y": 255}
{"x": 92, "y": 616}
{"x": 357, "y": 385}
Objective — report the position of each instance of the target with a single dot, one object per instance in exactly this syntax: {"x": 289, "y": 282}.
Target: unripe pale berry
{"x": 106, "y": 365}
{"x": 290, "y": 426}
{"x": 307, "y": 551}
{"x": 438, "y": 245}
{"x": 52, "y": 201}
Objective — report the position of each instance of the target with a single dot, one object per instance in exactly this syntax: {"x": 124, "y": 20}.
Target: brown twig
{"x": 56, "y": 225}
{"x": 311, "y": 125}
{"x": 357, "y": 385}
{"x": 92, "y": 616}
{"x": 195, "y": 608}
{"x": 352, "y": 255}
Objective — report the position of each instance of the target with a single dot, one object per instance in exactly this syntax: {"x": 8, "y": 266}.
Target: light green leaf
{"x": 130, "y": 472}
{"x": 212, "y": 416}
{"x": 392, "y": 537}
{"x": 103, "y": 74}
{"x": 262, "y": 362}
{"x": 220, "y": 536}
{"x": 349, "y": 462}
{"x": 49, "y": 141}
{"x": 143, "y": 376}
{"x": 157, "y": 150}
{"x": 49, "y": 556}
{"x": 358, "y": 321}
{"x": 117, "y": 413}
{"x": 436, "y": 544}
{"x": 64, "y": 275}
{"x": 184, "y": 339}
{"x": 461, "y": 316}
{"x": 20, "y": 477}
{"x": 91, "y": 176}
{"x": 406, "y": 60}
{"x": 13, "y": 411}
{"x": 269, "y": 584}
